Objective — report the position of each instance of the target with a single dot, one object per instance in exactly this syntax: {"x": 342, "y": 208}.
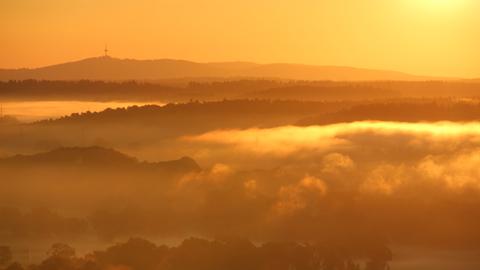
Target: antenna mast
{"x": 106, "y": 50}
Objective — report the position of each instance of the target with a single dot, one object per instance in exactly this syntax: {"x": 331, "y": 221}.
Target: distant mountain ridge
{"x": 113, "y": 69}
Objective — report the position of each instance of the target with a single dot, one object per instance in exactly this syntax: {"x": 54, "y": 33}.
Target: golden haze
{"x": 425, "y": 37}
{"x": 109, "y": 163}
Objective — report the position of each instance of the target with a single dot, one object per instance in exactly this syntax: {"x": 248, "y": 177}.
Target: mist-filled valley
{"x": 240, "y": 180}
{"x": 239, "y": 135}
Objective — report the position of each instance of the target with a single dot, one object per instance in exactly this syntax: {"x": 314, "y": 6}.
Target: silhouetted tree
{"x": 379, "y": 258}
{"x": 5, "y": 255}
{"x": 136, "y": 253}
{"x": 15, "y": 266}
{"x": 61, "y": 250}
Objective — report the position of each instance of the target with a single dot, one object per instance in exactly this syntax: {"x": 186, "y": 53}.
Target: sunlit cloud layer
{"x": 288, "y": 139}
{"x": 402, "y": 182}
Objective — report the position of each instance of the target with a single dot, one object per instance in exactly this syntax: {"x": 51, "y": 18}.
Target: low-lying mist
{"x": 411, "y": 186}
{"x": 29, "y": 111}
{"x": 402, "y": 183}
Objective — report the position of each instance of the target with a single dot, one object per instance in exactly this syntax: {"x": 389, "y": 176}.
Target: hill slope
{"x": 96, "y": 157}
{"x": 108, "y": 68}
{"x": 420, "y": 111}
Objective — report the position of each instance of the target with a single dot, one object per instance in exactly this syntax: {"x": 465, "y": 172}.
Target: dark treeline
{"x": 129, "y": 90}
{"x": 401, "y": 111}
{"x": 218, "y": 109}
{"x": 7, "y": 120}
{"x": 215, "y": 90}
{"x": 83, "y": 90}
{"x": 39, "y": 223}
{"x": 305, "y": 90}
{"x": 338, "y": 90}
{"x": 309, "y": 112}
{"x": 199, "y": 254}
{"x": 177, "y": 119}
{"x": 327, "y": 92}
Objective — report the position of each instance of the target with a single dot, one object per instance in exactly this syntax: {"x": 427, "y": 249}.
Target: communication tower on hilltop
{"x": 106, "y": 51}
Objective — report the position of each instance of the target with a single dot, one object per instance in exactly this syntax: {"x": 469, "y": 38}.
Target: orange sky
{"x": 426, "y": 37}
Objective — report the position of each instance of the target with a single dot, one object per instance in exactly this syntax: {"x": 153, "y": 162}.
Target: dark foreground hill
{"x": 96, "y": 157}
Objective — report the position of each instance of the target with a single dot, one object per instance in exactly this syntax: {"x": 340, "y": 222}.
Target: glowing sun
{"x": 442, "y": 4}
